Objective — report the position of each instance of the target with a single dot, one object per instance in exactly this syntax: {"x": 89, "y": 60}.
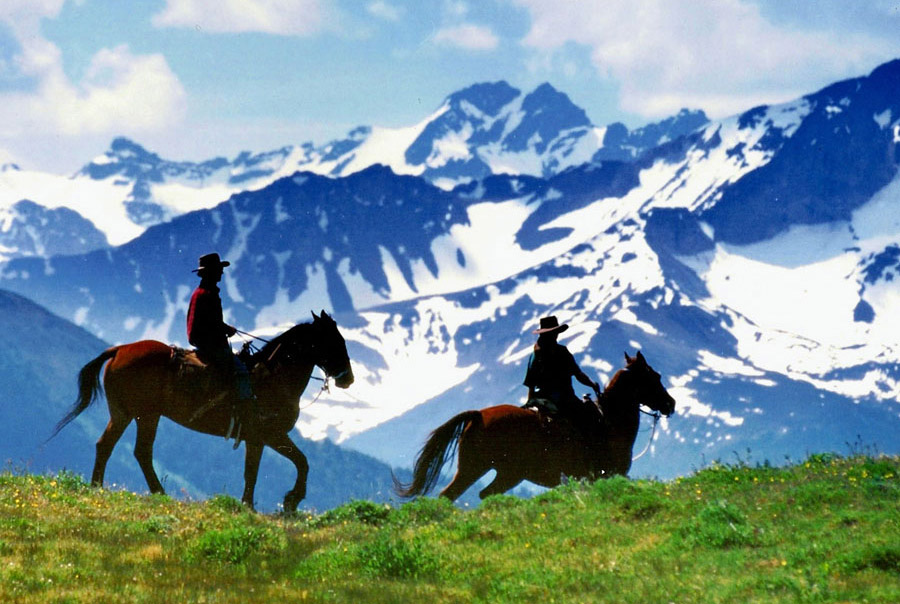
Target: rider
{"x": 550, "y": 372}
{"x": 208, "y": 333}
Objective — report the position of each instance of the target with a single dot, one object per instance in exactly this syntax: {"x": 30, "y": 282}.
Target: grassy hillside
{"x": 826, "y": 530}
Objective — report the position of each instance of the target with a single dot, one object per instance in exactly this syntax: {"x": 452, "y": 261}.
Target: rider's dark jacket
{"x": 550, "y": 371}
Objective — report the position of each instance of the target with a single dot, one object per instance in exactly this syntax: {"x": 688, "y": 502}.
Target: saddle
{"x": 212, "y": 385}
{"x": 589, "y": 420}
{"x": 186, "y": 360}
{"x": 547, "y": 412}
{"x": 199, "y": 380}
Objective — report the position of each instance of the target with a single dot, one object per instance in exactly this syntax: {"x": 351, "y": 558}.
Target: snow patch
{"x": 883, "y": 119}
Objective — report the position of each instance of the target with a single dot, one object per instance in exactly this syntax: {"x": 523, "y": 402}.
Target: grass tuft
{"x": 394, "y": 557}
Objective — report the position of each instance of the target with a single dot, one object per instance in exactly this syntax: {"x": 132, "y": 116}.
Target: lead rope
{"x": 652, "y": 434}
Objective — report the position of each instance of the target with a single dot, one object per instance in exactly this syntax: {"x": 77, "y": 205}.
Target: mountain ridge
{"x": 129, "y": 188}
{"x": 437, "y": 290}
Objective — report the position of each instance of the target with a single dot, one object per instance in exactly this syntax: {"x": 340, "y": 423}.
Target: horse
{"x": 144, "y": 382}
{"x": 520, "y": 444}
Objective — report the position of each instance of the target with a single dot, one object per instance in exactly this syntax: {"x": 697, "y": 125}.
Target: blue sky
{"x": 193, "y": 79}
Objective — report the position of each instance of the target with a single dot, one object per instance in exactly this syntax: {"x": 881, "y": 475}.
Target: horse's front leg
{"x": 143, "y": 450}
{"x": 286, "y": 447}
{"x": 252, "y": 456}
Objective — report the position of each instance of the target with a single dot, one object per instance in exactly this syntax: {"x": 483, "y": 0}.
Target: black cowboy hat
{"x": 549, "y": 324}
{"x": 209, "y": 261}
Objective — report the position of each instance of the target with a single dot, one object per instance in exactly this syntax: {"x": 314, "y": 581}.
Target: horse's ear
{"x": 314, "y": 315}
{"x": 628, "y": 360}
{"x": 323, "y": 315}
{"x": 641, "y": 358}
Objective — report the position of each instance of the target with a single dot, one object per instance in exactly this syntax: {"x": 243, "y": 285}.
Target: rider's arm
{"x": 584, "y": 379}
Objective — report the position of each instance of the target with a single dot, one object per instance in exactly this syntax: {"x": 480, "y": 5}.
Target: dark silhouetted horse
{"x": 521, "y": 445}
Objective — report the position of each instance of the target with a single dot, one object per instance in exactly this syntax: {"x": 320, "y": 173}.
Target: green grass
{"x": 825, "y": 530}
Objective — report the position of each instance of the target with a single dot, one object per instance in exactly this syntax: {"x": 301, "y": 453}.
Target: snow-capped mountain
{"x": 482, "y": 130}
{"x": 751, "y": 260}
{"x": 28, "y": 229}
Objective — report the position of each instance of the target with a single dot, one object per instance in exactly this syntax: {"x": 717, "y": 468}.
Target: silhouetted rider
{"x": 208, "y": 333}
{"x": 550, "y": 372}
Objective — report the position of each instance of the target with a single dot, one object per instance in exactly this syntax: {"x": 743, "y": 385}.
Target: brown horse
{"x": 142, "y": 383}
{"x": 520, "y": 445}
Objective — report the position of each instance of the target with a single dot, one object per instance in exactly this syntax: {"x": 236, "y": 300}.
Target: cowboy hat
{"x": 210, "y": 261}
{"x": 550, "y": 324}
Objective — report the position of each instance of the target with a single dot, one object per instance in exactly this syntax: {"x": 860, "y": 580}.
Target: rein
{"x": 250, "y": 335}
{"x": 325, "y": 387}
{"x": 322, "y": 390}
{"x": 655, "y": 415}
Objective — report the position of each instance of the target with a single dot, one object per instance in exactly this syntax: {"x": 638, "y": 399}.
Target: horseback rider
{"x": 549, "y": 376}
{"x": 208, "y": 333}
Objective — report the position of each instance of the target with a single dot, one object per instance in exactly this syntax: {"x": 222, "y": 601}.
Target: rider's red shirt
{"x": 206, "y": 330}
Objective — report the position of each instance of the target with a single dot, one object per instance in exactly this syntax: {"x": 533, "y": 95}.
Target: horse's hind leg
{"x": 286, "y": 447}
{"x": 106, "y": 443}
{"x": 470, "y": 466}
{"x": 143, "y": 450}
{"x": 465, "y": 477}
{"x": 503, "y": 481}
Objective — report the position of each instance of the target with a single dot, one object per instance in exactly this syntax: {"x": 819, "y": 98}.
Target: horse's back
{"x": 139, "y": 366}
{"x": 141, "y": 354}
{"x": 503, "y": 424}
{"x": 504, "y": 415}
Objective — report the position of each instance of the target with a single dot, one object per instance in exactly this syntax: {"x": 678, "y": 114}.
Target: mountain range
{"x": 752, "y": 259}
{"x": 485, "y": 129}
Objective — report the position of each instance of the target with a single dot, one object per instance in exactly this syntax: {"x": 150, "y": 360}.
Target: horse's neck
{"x": 290, "y": 378}
{"x": 288, "y": 381}
{"x": 619, "y": 407}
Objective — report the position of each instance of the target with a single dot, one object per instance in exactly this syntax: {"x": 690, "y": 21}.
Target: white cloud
{"x": 720, "y": 55}
{"x": 384, "y": 10}
{"x": 28, "y": 11}
{"x": 468, "y": 37}
{"x": 282, "y": 17}
{"x": 120, "y": 93}
{"x": 455, "y": 8}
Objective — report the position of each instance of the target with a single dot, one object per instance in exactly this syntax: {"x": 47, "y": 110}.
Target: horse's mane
{"x": 270, "y": 347}
{"x": 607, "y": 396}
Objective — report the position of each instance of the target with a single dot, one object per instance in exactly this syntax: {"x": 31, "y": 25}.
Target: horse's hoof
{"x": 291, "y": 502}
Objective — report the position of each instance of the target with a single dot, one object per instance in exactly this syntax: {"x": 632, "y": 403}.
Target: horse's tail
{"x": 89, "y": 388}
{"x": 441, "y": 445}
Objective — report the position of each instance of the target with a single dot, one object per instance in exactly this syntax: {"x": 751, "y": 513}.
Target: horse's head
{"x": 319, "y": 343}
{"x": 331, "y": 350}
{"x": 647, "y": 385}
